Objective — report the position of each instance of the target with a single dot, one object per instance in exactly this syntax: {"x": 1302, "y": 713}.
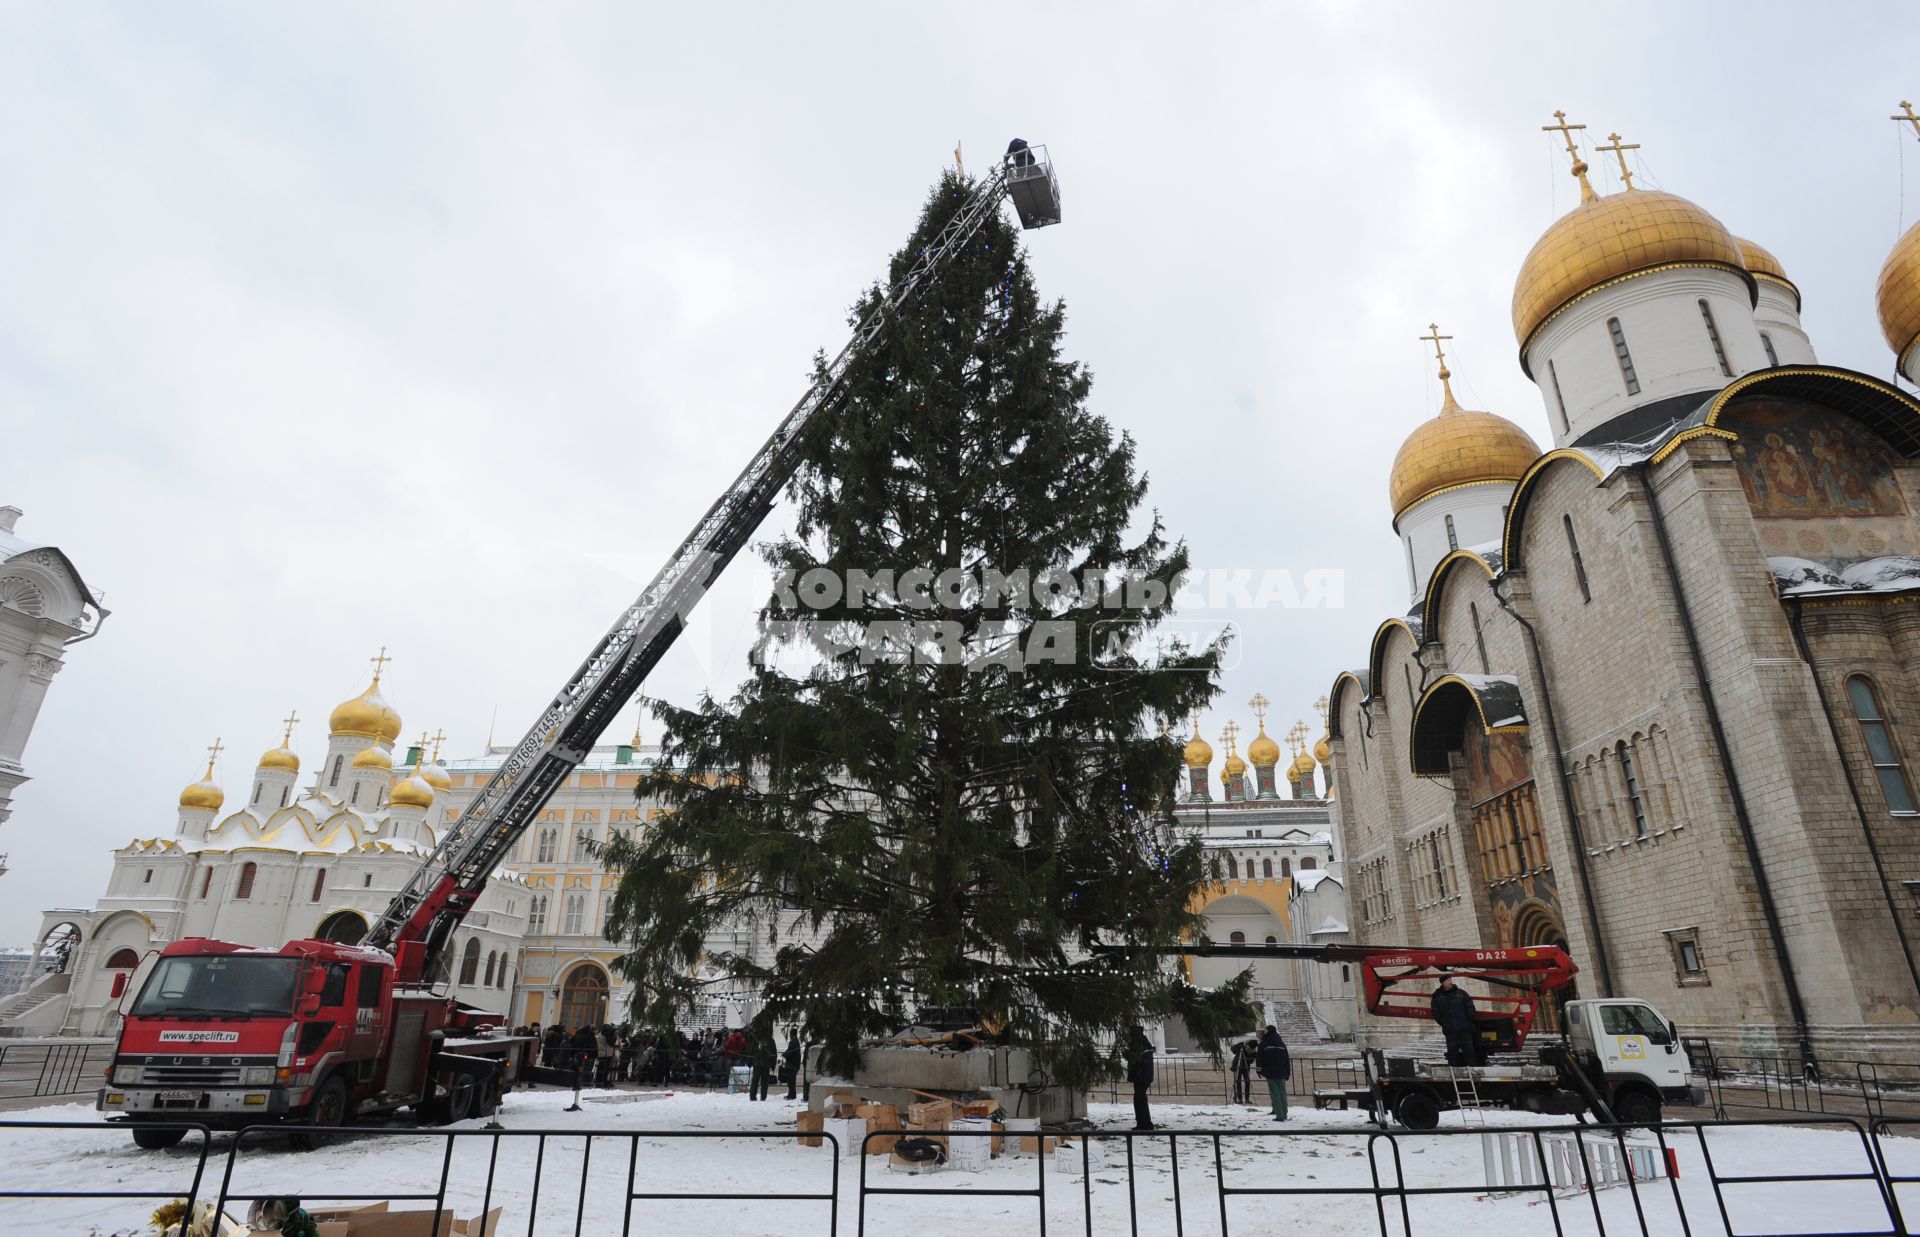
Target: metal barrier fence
{"x": 1777, "y": 1084}
{"x": 28, "y": 1070}
{"x": 1855, "y": 1190}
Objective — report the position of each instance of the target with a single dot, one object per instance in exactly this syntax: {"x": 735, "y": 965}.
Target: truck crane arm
{"x": 1397, "y": 980}
{"x": 417, "y": 926}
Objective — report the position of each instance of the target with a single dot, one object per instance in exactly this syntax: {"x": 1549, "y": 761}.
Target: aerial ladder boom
{"x": 1389, "y": 973}
{"x": 419, "y": 923}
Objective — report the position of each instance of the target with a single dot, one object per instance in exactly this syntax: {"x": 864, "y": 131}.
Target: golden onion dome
{"x": 1457, "y": 448}
{"x": 203, "y": 795}
{"x": 1302, "y": 766}
{"x": 1198, "y": 753}
{"x": 371, "y": 758}
{"x": 435, "y": 775}
{"x": 281, "y": 757}
{"x": 1234, "y": 766}
{"x": 367, "y": 714}
{"x": 1762, "y": 265}
{"x": 1323, "y": 750}
{"x": 412, "y": 792}
{"x": 1898, "y": 297}
{"x": 1609, "y": 238}
{"x": 1263, "y": 751}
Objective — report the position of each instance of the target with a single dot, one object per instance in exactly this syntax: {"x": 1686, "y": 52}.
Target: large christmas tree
{"x": 968, "y": 779}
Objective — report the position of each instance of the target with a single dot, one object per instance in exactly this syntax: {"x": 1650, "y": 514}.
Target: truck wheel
{"x": 459, "y": 1101}
{"x": 329, "y": 1108}
{"x": 1636, "y": 1107}
{"x": 1417, "y": 1110}
{"x": 157, "y": 1139}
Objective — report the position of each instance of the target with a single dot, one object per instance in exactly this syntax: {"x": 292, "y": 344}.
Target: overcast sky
{"x": 434, "y": 326}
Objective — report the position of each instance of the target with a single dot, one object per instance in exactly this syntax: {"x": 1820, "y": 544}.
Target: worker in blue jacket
{"x": 1274, "y": 1064}
{"x": 1453, "y": 1011}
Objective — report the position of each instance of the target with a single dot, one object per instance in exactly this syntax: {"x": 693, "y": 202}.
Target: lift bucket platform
{"x": 1031, "y": 185}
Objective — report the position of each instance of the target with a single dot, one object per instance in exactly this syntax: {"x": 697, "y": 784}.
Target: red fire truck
{"x": 320, "y": 1034}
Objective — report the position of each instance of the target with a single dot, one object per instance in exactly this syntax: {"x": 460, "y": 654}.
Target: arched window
{"x": 206, "y": 883}
{"x": 1713, "y": 335}
{"x": 1233, "y": 866}
{"x": 1882, "y": 749}
{"x": 545, "y": 852}
{"x": 1236, "y": 938}
{"x": 1273, "y": 940}
{"x": 1579, "y": 564}
{"x": 244, "y": 889}
{"x": 1309, "y": 864}
{"x": 344, "y": 927}
{"x": 123, "y": 960}
{"x": 537, "y": 914}
{"x": 1766, "y": 341}
{"x": 1286, "y": 867}
{"x": 333, "y": 779}
{"x": 257, "y": 788}
{"x": 492, "y": 958}
{"x": 1266, "y": 868}
{"x": 1625, "y": 358}
{"x": 1453, "y": 538}
{"x": 319, "y": 884}
{"x": 470, "y": 961}
{"x": 1634, "y": 798}
{"x": 500, "y": 979}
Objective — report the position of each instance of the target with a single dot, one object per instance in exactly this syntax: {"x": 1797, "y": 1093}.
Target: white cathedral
{"x": 322, "y": 861}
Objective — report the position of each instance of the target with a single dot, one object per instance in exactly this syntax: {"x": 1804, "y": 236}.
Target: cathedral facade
{"x": 287, "y": 863}
{"x": 1654, "y": 694}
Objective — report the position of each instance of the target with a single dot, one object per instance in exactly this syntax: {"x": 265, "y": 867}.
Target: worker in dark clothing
{"x": 1453, "y": 1012}
{"x": 553, "y": 1045}
{"x": 584, "y": 1048}
{"x": 790, "y": 1064}
{"x": 1243, "y": 1054}
{"x": 1018, "y": 154}
{"x": 763, "y": 1057}
{"x": 1274, "y": 1064}
{"x": 1140, "y": 1074}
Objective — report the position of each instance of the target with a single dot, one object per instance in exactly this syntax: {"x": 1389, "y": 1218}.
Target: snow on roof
{"x": 1308, "y": 881}
{"x": 1499, "y": 696}
{"x": 1804, "y": 577}
{"x": 1329, "y": 925}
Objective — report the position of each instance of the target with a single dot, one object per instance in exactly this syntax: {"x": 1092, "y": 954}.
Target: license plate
{"x": 178, "y": 1097}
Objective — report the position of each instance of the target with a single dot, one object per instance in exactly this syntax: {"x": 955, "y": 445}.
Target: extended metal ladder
{"x": 1467, "y": 1098}
{"x": 434, "y": 901}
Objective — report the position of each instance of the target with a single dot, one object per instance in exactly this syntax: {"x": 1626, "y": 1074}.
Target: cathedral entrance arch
{"x": 57, "y": 947}
{"x": 343, "y": 928}
{"x": 583, "y": 996}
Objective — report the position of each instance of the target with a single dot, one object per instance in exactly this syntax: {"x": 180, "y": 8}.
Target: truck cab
{"x": 1632, "y": 1055}
{"x": 227, "y": 1036}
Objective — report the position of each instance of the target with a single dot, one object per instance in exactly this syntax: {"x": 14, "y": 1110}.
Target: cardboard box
{"x": 933, "y": 1115}
{"x": 979, "y": 1108}
{"x": 999, "y": 1139}
{"x": 808, "y": 1123}
{"x": 848, "y": 1133}
{"x": 896, "y": 1164}
{"x": 376, "y": 1220}
{"x": 880, "y": 1117}
{"x": 849, "y": 1101}
{"x": 971, "y": 1147}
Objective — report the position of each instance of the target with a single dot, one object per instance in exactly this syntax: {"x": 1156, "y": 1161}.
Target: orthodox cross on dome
{"x": 439, "y": 737}
{"x": 213, "y": 755}
{"x": 1297, "y": 739}
{"x": 1322, "y": 705}
{"x": 1434, "y": 337}
{"x": 379, "y": 664}
{"x": 291, "y": 720}
{"x": 1566, "y": 132}
{"x": 1259, "y": 705}
{"x": 1195, "y": 725}
{"x": 1619, "y": 151}
{"x": 1228, "y": 733}
{"x": 1909, "y": 115}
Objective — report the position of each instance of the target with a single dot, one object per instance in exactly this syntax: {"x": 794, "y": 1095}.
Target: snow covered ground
{"x": 1317, "y": 1151}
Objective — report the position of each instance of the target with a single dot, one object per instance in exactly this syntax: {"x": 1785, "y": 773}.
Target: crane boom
{"x": 420, "y": 921}
{"x": 1523, "y": 971}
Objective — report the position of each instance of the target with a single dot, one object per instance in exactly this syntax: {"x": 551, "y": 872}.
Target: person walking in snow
{"x": 1453, "y": 1011}
{"x": 1274, "y": 1064}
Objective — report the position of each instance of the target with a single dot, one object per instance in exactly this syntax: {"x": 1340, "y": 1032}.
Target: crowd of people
{"x": 605, "y": 1055}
